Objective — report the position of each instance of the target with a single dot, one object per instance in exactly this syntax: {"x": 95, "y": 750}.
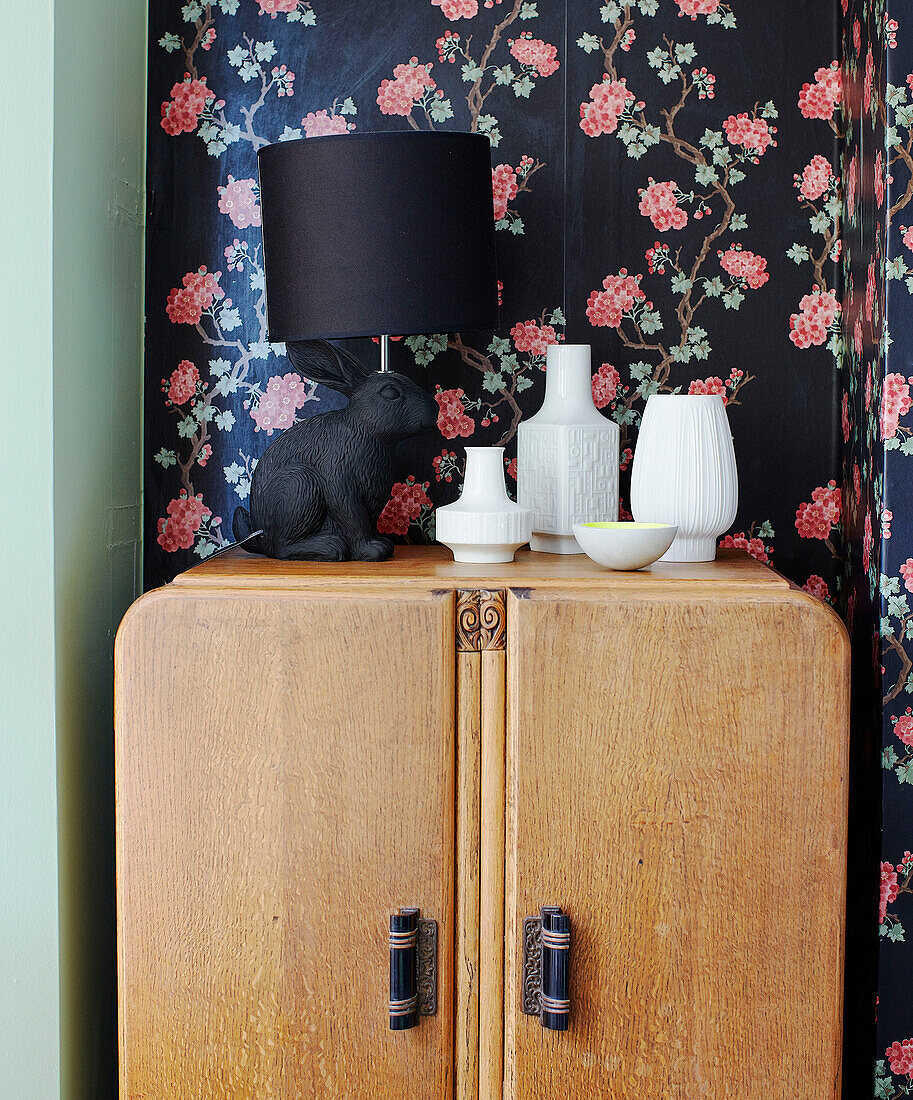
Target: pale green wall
{"x": 70, "y": 425}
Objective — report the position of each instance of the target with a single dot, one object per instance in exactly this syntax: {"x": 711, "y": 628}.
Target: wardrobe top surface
{"x": 430, "y": 567}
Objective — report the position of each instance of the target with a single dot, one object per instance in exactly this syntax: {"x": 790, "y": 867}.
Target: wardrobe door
{"x": 676, "y": 783}
{"x": 285, "y": 775}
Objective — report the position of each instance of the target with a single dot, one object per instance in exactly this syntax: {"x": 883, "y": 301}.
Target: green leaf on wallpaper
{"x": 904, "y": 115}
{"x": 766, "y": 530}
{"x": 889, "y": 585}
{"x": 218, "y": 367}
{"x": 733, "y": 298}
{"x": 523, "y": 87}
{"x": 499, "y": 346}
{"x": 265, "y": 51}
{"x": 648, "y": 7}
{"x": 835, "y": 345}
{"x": 898, "y": 606}
{"x": 722, "y": 156}
{"x": 738, "y": 221}
{"x": 668, "y": 73}
{"x": 681, "y": 354}
{"x": 229, "y": 7}
{"x": 348, "y": 107}
{"x": 736, "y": 175}
{"x": 648, "y": 387}
{"x": 587, "y": 42}
{"x": 820, "y": 222}
{"x": 426, "y": 348}
{"x": 191, "y": 12}
{"x": 892, "y": 444}
{"x": 187, "y": 427}
{"x": 728, "y": 21}
{"x": 712, "y": 138}
{"x": 713, "y": 288}
{"x": 509, "y": 362}
{"x": 170, "y": 42}
{"x": 685, "y": 52}
{"x": 441, "y": 110}
{"x": 889, "y": 757}
{"x": 504, "y": 75}
{"x": 769, "y": 110}
{"x": 204, "y": 548}
{"x": 528, "y": 10}
{"x": 557, "y": 317}
{"x": 309, "y": 18}
{"x": 290, "y": 134}
{"x": 471, "y": 72}
{"x": 640, "y": 370}
{"x": 895, "y": 933}
{"x": 488, "y": 124}
{"x": 834, "y": 206}
{"x": 681, "y": 284}
{"x": 236, "y": 56}
{"x": 896, "y": 269}
{"x": 650, "y": 321}
{"x": 609, "y": 12}
{"x": 657, "y": 57}
{"x": 225, "y": 421}
{"x": 906, "y": 448}
{"x": 492, "y": 381}
{"x": 166, "y": 458}
{"x": 904, "y": 772}
{"x": 704, "y": 174}
{"x": 516, "y": 226}
{"x": 894, "y": 96}
{"x": 523, "y": 383}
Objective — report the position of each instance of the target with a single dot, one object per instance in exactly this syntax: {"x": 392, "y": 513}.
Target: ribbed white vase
{"x": 484, "y": 525}
{"x": 567, "y": 455}
{"x": 684, "y": 472}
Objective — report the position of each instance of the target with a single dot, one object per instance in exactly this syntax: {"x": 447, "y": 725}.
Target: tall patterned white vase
{"x": 567, "y": 455}
{"x": 684, "y": 472}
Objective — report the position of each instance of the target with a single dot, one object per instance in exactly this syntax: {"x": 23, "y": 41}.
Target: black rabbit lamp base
{"x": 318, "y": 489}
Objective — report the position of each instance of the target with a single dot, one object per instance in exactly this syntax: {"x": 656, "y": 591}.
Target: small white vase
{"x": 484, "y": 526}
{"x": 684, "y": 472}
{"x": 567, "y": 455}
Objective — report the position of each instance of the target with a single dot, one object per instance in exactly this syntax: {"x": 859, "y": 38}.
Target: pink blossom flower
{"x": 895, "y": 403}
{"x": 888, "y": 894}
{"x": 181, "y": 113}
{"x": 183, "y": 383}
{"x": 659, "y": 203}
{"x": 906, "y": 571}
{"x": 457, "y": 9}
{"x": 186, "y": 304}
{"x": 867, "y": 83}
{"x": 452, "y": 419}
{"x": 819, "y": 100}
{"x": 907, "y": 236}
{"x": 879, "y": 179}
{"x": 744, "y": 265}
{"x": 816, "y": 586}
{"x": 606, "y": 307}
{"x": 851, "y": 178}
{"x": 177, "y": 530}
{"x": 605, "y": 385}
{"x": 273, "y": 7}
{"x": 531, "y": 337}
{"x": 815, "y": 520}
{"x": 399, "y": 96}
{"x": 815, "y": 179}
{"x": 607, "y": 101}
{"x": 711, "y": 385}
{"x": 322, "y": 123}
{"x": 285, "y": 394}
{"x": 903, "y": 727}
{"x": 539, "y": 55}
{"x": 740, "y": 541}
{"x": 407, "y": 498}
{"x": 818, "y": 311}
{"x": 238, "y": 201}
{"x": 504, "y": 187}
{"x": 753, "y": 134}
{"x": 694, "y": 8}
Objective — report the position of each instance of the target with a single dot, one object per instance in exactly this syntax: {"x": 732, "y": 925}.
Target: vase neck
{"x": 569, "y": 386}
{"x": 484, "y": 477}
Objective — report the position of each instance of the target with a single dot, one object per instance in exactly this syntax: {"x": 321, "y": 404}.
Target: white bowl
{"x": 624, "y": 545}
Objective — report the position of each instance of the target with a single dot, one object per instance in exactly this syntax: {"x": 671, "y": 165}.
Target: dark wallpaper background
{"x": 710, "y": 194}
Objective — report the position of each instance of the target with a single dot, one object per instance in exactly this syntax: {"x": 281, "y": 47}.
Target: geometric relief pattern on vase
{"x": 538, "y": 451}
{"x": 592, "y": 475}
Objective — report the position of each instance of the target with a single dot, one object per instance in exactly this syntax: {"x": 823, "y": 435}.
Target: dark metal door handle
{"x": 546, "y": 967}
{"x": 413, "y": 968}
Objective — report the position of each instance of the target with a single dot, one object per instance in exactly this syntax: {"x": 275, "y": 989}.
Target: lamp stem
{"x": 384, "y": 354}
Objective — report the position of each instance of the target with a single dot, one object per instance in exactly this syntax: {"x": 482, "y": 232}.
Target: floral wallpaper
{"x": 712, "y": 194}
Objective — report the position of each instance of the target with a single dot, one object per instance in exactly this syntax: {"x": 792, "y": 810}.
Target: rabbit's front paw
{"x": 378, "y": 549}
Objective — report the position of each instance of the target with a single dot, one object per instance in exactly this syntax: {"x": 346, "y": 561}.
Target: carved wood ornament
{"x": 481, "y": 621}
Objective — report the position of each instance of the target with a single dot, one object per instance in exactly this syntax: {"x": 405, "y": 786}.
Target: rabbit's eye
{"x": 389, "y": 392}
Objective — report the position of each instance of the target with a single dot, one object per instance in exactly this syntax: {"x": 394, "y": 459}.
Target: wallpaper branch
{"x": 711, "y": 194}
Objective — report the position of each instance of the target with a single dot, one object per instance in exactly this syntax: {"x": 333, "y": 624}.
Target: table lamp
{"x": 380, "y": 234}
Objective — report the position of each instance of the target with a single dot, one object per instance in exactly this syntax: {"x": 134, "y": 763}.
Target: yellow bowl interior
{"x": 626, "y": 526}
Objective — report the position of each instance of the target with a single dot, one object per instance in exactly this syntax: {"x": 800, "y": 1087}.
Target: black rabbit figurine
{"x": 318, "y": 489}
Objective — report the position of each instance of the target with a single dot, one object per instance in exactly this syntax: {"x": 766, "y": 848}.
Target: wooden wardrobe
{"x": 305, "y": 749}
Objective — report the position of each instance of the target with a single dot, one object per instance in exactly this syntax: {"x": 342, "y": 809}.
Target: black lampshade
{"x": 372, "y": 234}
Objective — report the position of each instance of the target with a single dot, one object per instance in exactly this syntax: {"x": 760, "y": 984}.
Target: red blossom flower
{"x": 710, "y": 386}
{"x": 539, "y": 55}
{"x": 407, "y": 498}
{"x": 815, "y": 179}
{"x": 818, "y": 311}
{"x": 906, "y": 571}
{"x": 457, "y": 9}
{"x": 752, "y": 134}
{"x": 399, "y": 96}
{"x": 504, "y": 187}
{"x": 694, "y": 8}
{"x": 276, "y": 410}
{"x": 888, "y": 893}
{"x": 177, "y": 530}
{"x": 606, "y": 307}
{"x": 740, "y": 541}
{"x": 747, "y": 266}
{"x": 452, "y": 419}
{"x": 529, "y": 336}
{"x": 819, "y": 100}
{"x": 816, "y": 586}
{"x": 814, "y": 520}
{"x": 200, "y": 289}
{"x": 238, "y": 201}
{"x": 322, "y": 123}
{"x": 605, "y": 385}
{"x": 895, "y": 403}
{"x": 903, "y": 727}
{"x": 273, "y": 7}
{"x": 183, "y": 383}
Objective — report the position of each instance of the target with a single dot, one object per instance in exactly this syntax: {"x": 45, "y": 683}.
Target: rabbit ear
{"x": 323, "y": 362}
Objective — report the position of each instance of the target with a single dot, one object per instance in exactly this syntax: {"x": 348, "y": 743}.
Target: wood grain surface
{"x": 677, "y": 782}
{"x": 285, "y": 780}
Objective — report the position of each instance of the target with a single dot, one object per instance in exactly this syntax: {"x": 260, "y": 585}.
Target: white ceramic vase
{"x": 484, "y": 525}
{"x": 567, "y": 454}
{"x": 684, "y": 472}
